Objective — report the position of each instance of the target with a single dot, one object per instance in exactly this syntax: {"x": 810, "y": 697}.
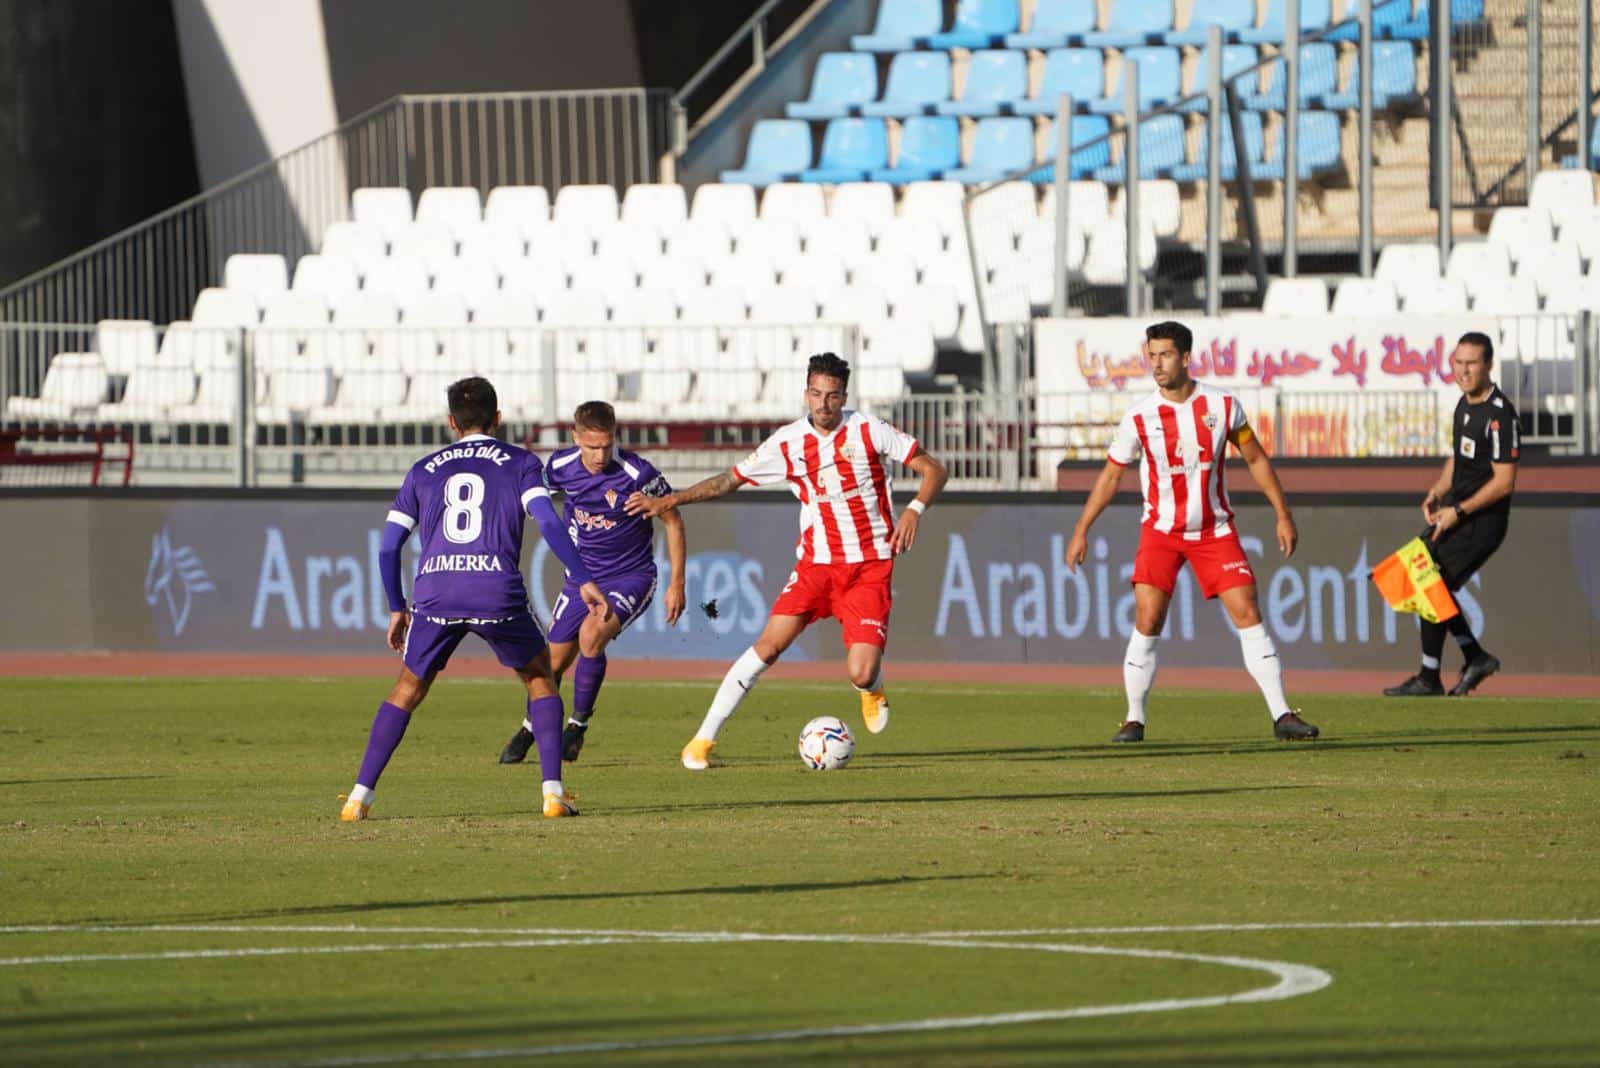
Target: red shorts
{"x": 1219, "y": 563}
{"x": 857, "y": 595}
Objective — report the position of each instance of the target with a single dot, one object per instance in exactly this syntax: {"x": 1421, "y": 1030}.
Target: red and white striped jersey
{"x": 1183, "y": 447}
{"x": 843, "y": 482}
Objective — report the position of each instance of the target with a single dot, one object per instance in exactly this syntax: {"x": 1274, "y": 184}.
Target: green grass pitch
{"x": 175, "y": 887}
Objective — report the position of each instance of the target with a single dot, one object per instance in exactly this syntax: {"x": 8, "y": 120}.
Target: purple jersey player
{"x": 467, "y": 502}
{"x": 617, "y": 549}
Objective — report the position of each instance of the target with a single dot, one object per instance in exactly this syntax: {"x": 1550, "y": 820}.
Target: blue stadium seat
{"x": 1237, "y": 59}
{"x": 1319, "y": 147}
{"x": 1134, "y": 22}
{"x": 1159, "y": 80}
{"x": 1056, "y": 24}
{"x": 999, "y": 147}
{"x": 1233, "y": 16}
{"x": 929, "y": 146}
{"x": 841, "y": 82}
{"x": 850, "y": 148}
{"x": 918, "y": 82}
{"x": 1314, "y": 16}
{"x": 1078, "y": 72}
{"x": 779, "y": 150}
{"x": 1255, "y": 147}
{"x": 995, "y": 80}
{"x": 1319, "y": 77}
{"x": 1418, "y": 27}
{"x": 978, "y": 24}
{"x": 1390, "y": 18}
{"x": 1084, "y": 160}
{"x": 1394, "y": 78}
{"x": 901, "y": 26}
{"x": 1161, "y": 148}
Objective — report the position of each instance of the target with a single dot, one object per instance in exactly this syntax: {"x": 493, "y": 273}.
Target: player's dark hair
{"x": 473, "y": 404}
{"x": 595, "y": 415}
{"x": 1176, "y": 333}
{"x": 826, "y": 363}
{"x": 1485, "y": 346}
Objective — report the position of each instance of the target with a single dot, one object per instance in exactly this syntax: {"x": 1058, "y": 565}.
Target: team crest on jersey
{"x": 1211, "y": 421}
{"x": 611, "y": 498}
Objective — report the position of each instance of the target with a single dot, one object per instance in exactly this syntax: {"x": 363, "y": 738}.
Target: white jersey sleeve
{"x": 764, "y": 466}
{"x": 891, "y": 441}
{"x": 1125, "y": 448}
{"x": 1236, "y": 419}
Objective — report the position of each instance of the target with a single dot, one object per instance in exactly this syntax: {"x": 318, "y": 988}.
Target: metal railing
{"x": 154, "y": 270}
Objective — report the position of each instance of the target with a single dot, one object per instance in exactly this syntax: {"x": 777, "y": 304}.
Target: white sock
{"x": 362, "y": 794}
{"x": 1139, "y": 672}
{"x": 740, "y": 680}
{"x": 1261, "y": 660}
{"x": 553, "y": 786}
{"x": 526, "y": 725}
{"x": 1430, "y": 663}
{"x": 875, "y": 684}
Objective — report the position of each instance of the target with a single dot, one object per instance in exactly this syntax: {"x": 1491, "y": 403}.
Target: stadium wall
{"x": 297, "y": 576}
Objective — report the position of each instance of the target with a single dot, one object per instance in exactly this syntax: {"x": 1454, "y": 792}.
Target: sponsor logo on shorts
{"x": 878, "y": 625}
{"x": 1237, "y": 565}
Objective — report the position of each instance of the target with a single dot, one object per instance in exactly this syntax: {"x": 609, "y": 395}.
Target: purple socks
{"x": 545, "y": 716}
{"x": 388, "y": 727}
{"x": 586, "y": 682}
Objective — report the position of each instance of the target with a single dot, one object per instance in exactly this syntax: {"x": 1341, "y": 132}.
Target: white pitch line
{"x": 1241, "y": 928}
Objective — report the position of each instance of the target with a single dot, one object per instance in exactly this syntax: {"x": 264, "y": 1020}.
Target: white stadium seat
{"x": 286, "y": 322}
{"x": 1523, "y": 232}
{"x": 1159, "y": 203}
{"x": 658, "y": 207}
{"x": 293, "y": 391}
{"x": 329, "y": 275}
{"x": 1564, "y": 194}
{"x": 1004, "y": 208}
{"x": 225, "y": 308}
{"x": 906, "y": 346}
{"x": 123, "y": 343}
{"x": 74, "y": 385}
{"x": 934, "y": 304}
{"x": 1517, "y": 296}
{"x": 543, "y": 276}
{"x": 1296, "y": 296}
{"x": 708, "y": 242}
{"x": 863, "y": 207}
{"x": 1106, "y": 261}
{"x": 1573, "y": 295}
{"x": 384, "y": 207}
{"x": 1434, "y": 296}
{"x": 913, "y": 237}
{"x": 801, "y": 203}
{"x": 1478, "y": 265}
{"x": 727, "y": 202}
{"x": 576, "y": 307}
{"x": 678, "y": 275}
{"x": 889, "y": 270}
{"x": 1403, "y": 262}
{"x": 402, "y": 279}
{"x": 646, "y": 307}
{"x": 456, "y": 207}
{"x": 189, "y": 344}
{"x": 815, "y": 273}
{"x": 1366, "y": 296}
{"x": 362, "y": 245}
{"x": 425, "y": 399}
{"x": 856, "y": 303}
{"x": 752, "y": 269}
{"x": 593, "y": 206}
{"x": 939, "y": 203}
{"x": 358, "y": 320}
{"x": 523, "y": 207}
{"x": 498, "y": 246}
{"x": 363, "y": 392}
{"x": 777, "y": 237}
{"x": 1558, "y": 261}
{"x": 430, "y": 243}
{"x": 713, "y": 306}
{"x": 152, "y": 389}
{"x": 259, "y": 274}
{"x": 844, "y": 240}
{"x": 472, "y": 280}
{"x": 1087, "y": 203}
{"x": 216, "y": 399}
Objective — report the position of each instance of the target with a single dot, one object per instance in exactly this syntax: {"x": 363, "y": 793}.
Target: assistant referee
{"x": 1468, "y": 510}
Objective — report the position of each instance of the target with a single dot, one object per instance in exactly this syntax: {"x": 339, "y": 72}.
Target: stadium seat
{"x": 286, "y": 321}
{"x": 856, "y": 303}
{"x": 361, "y": 322}
{"x": 1086, "y": 157}
{"x": 123, "y": 343}
{"x": 1161, "y": 149}
{"x": 1570, "y": 296}
{"x": 1133, "y": 22}
{"x": 454, "y": 207}
{"x": 381, "y": 207}
{"x": 1314, "y": 16}
{"x": 995, "y": 80}
{"x": 402, "y": 279}
{"x": 1434, "y": 296}
{"x": 1560, "y": 260}
{"x": 225, "y": 308}
{"x": 864, "y": 207}
{"x": 201, "y": 347}
{"x": 1056, "y": 24}
{"x": 776, "y": 237}
{"x": 74, "y": 386}
{"x": 1234, "y": 16}
{"x": 1394, "y": 79}
{"x": 1463, "y": 14}
{"x": 593, "y": 206}
{"x": 1160, "y": 205}
{"x": 329, "y": 275}
{"x": 901, "y": 26}
{"x": 846, "y": 241}
{"x": 425, "y": 324}
{"x": 363, "y": 393}
{"x": 504, "y": 329}
{"x": 1319, "y": 78}
{"x": 1564, "y": 194}
{"x": 425, "y": 399}
{"x": 497, "y": 246}
{"x": 1087, "y": 204}
{"x": 1319, "y": 147}
{"x": 932, "y": 303}
{"x": 733, "y": 203}
{"x": 1390, "y": 18}
{"x": 841, "y": 83}
{"x": 1290, "y": 297}
{"x": 361, "y": 244}
{"x": 907, "y": 346}
{"x": 1160, "y": 75}
{"x": 1078, "y": 72}
{"x": 779, "y": 150}
{"x": 1255, "y": 146}
{"x": 707, "y": 242}
{"x": 1408, "y": 260}
{"x": 930, "y": 146}
{"x": 655, "y": 206}
{"x": 1239, "y": 67}
{"x": 526, "y": 207}
{"x": 814, "y": 273}
{"x": 292, "y": 392}
{"x": 1518, "y": 296}
{"x": 646, "y": 307}
{"x": 216, "y": 398}
{"x": 259, "y": 274}
{"x": 978, "y": 24}
{"x": 794, "y": 202}
{"x": 543, "y": 276}
{"x": 851, "y": 150}
{"x": 921, "y": 242}
{"x": 752, "y": 267}
{"x": 938, "y": 203}
{"x": 713, "y": 305}
{"x": 1000, "y": 148}
{"x": 1523, "y": 232}
{"x": 431, "y": 244}
{"x": 1365, "y": 296}
{"x": 918, "y": 81}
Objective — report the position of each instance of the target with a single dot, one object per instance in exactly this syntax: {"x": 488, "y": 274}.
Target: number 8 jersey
{"x": 468, "y": 501}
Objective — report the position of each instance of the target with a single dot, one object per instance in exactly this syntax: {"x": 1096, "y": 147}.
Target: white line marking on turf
{"x": 1240, "y": 928}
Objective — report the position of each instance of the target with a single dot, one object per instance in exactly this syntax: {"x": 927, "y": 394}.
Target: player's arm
{"x": 1435, "y": 495}
{"x": 934, "y": 475}
{"x": 1100, "y": 497}
{"x": 396, "y": 530}
{"x": 537, "y": 502}
{"x": 677, "y": 557}
{"x": 1260, "y": 465}
{"x": 707, "y": 489}
{"x": 1502, "y": 481}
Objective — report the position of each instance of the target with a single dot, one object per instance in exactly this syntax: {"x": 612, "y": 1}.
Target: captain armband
{"x": 1244, "y": 435}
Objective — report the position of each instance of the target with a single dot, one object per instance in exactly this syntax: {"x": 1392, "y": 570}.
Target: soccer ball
{"x": 826, "y": 744}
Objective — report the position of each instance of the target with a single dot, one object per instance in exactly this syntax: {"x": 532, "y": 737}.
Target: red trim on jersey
{"x": 911, "y": 454}
{"x": 1152, "y": 494}
{"x": 879, "y": 485}
{"x": 1116, "y": 461}
{"x": 740, "y": 475}
{"x": 826, "y": 511}
{"x": 1222, "y": 464}
{"x": 1179, "y": 478}
{"x": 858, "y": 509}
{"x": 805, "y": 541}
{"x": 1208, "y": 520}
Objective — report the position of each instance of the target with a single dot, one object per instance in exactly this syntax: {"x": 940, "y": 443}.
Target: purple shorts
{"x": 630, "y": 594}
{"x": 430, "y": 641}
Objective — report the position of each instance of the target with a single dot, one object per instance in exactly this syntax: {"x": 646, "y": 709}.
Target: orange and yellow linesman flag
{"x": 1410, "y": 581}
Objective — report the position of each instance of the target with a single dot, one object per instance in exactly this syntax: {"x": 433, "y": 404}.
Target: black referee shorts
{"x": 1466, "y": 547}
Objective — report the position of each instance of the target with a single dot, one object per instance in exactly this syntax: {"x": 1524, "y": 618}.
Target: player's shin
{"x": 739, "y": 681}
{"x": 587, "y": 679}
{"x": 1139, "y": 673}
{"x": 388, "y": 727}
{"x": 545, "y": 715}
{"x": 1261, "y": 660}
{"x": 1432, "y": 635}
